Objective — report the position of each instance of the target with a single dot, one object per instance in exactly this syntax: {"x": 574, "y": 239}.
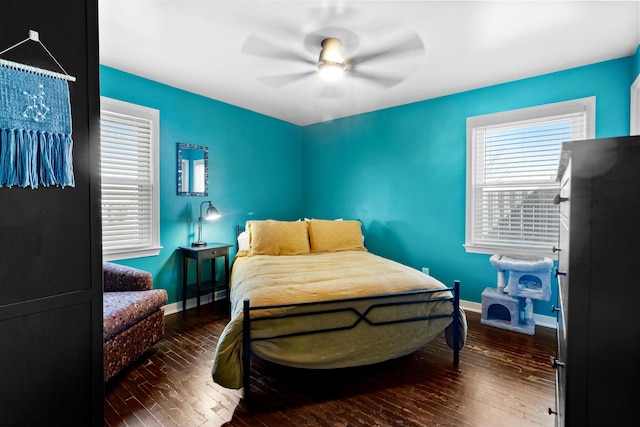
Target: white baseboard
{"x": 471, "y": 306}
{"x": 176, "y": 307}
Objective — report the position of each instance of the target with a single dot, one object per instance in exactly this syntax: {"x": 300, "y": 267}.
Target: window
{"x": 512, "y": 160}
{"x": 129, "y": 150}
{"x": 635, "y": 107}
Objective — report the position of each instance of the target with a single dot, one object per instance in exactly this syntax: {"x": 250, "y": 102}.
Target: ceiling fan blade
{"x": 409, "y": 44}
{"x": 284, "y": 79}
{"x": 377, "y": 78}
{"x": 258, "y": 46}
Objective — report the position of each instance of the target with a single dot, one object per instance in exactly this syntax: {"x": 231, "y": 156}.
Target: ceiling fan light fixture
{"x": 331, "y": 62}
{"x": 331, "y": 71}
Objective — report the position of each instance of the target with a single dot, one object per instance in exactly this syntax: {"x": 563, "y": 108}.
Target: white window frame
{"x": 198, "y": 176}
{"x": 149, "y": 247}
{"x": 186, "y": 175}
{"x": 474, "y": 245}
{"x": 635, "y": 107}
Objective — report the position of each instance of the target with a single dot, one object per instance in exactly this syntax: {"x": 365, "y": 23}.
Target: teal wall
{"x": 399, "y": 170}
{"x": 255, "y": 164}
{"x": 402, "y": 170}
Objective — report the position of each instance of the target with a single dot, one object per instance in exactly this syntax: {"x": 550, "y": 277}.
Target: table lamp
{"x": 212, "y": 214}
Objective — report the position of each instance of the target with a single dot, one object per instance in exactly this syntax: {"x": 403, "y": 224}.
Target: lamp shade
{"x": 212, "y": 213}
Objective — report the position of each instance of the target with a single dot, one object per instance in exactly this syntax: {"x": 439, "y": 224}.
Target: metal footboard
{"x": 360, "y": 317}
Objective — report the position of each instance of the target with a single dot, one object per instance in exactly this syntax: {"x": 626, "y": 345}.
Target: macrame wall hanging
{"x": 35, "y": 124}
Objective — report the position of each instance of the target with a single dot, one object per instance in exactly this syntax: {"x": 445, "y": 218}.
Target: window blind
{"x": 515, "y": 168}
{"x": 127, "y": 179}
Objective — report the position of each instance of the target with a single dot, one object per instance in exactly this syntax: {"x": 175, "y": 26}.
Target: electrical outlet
{"x": 425, "y": 270}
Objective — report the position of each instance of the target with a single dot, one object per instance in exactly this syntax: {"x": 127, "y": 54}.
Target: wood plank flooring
{"x": 503, "y": 379}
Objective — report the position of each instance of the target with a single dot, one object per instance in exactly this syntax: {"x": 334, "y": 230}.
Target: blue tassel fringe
{"x": 35, "y": 158}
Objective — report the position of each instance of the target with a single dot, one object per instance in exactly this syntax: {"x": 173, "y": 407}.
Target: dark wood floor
{"x": 503, "y": 379}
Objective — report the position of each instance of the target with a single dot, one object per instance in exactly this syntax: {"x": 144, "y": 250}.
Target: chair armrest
{"x": 118, "y": 277}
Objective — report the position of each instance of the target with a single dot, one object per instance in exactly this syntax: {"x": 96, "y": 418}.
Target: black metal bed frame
{"x": 247, "y": 310}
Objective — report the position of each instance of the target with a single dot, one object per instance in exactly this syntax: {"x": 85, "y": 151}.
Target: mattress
{"x": 338, "y": 277}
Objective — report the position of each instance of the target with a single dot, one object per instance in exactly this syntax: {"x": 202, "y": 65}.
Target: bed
{"x": 308, "y": 294}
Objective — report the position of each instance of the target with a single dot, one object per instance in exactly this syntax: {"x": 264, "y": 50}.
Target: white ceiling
{"x": 198, "y": 46}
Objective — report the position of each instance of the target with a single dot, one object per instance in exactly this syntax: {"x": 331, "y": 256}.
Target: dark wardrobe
{"x": 50, "y": 252}
{"x": 598, "y": 347}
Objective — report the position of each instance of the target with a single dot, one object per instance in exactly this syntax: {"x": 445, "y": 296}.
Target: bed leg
{"x": 246, "y": 349}
{"x": 456, "y": 320}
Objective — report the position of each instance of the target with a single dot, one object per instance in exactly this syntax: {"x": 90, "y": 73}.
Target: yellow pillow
{"x": 333, "y": 236}
{"x": 271, "y": 237}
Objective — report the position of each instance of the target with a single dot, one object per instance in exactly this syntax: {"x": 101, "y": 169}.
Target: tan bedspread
{"x": 269, "y": 280}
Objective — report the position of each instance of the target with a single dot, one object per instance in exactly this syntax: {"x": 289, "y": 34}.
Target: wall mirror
{"x": 193, "y": 170}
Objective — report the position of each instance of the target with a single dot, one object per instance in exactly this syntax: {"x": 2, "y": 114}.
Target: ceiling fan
{"x": 382, "y": 57}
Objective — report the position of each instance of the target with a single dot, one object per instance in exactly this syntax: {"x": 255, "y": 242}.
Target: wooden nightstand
{"x": 200, "y": 253}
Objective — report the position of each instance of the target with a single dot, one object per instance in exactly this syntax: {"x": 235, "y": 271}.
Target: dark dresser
{"x": 598, "y": 360}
